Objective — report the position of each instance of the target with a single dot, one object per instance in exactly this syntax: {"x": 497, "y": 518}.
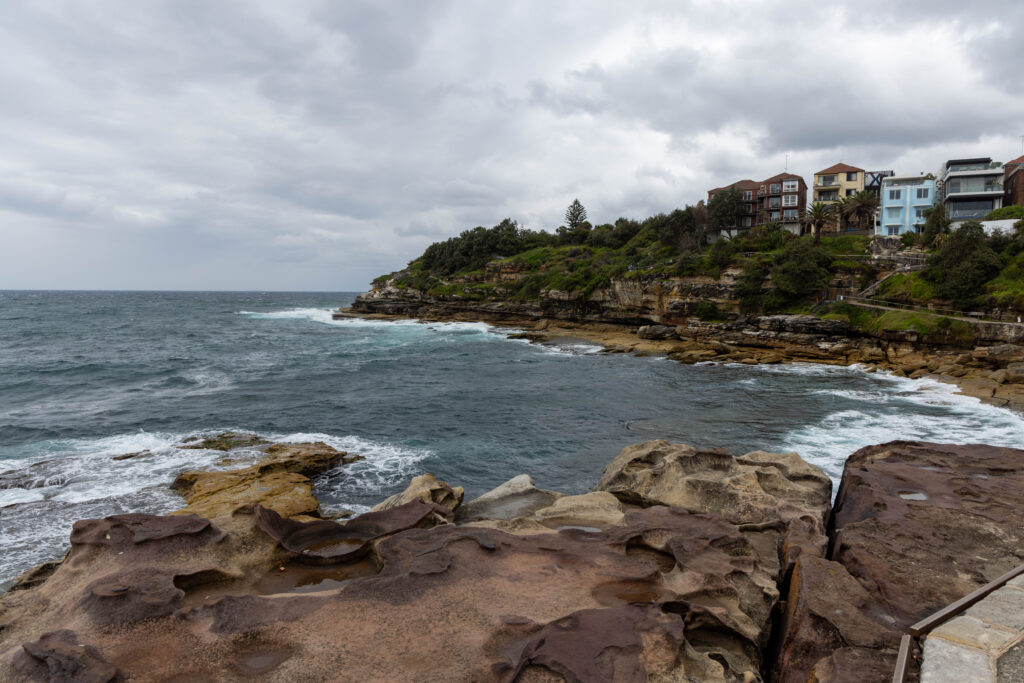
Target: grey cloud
{"x": 316, "y": 144}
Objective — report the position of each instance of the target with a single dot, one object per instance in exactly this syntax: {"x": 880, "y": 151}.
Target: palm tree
{"x": 816, "y": 216}
{"x": 865, "y": 204}
{"x": 845, "y": 208}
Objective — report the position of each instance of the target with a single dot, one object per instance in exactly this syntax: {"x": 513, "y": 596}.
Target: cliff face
{"x": 630, "y": 301}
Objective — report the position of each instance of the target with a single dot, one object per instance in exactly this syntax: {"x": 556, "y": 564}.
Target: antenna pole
{"x": 787, "y": 156}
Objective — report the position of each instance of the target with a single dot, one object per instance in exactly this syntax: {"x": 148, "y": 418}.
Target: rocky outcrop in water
{"x": 685, "y": 564}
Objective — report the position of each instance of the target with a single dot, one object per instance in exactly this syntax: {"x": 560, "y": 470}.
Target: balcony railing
{"x": 821, "y": 182}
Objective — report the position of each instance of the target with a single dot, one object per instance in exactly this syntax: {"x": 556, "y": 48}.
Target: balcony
{"x": 826, "y": 182}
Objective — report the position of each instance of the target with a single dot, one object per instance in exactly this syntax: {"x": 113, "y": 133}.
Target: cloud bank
{"x": 314, "y": 145}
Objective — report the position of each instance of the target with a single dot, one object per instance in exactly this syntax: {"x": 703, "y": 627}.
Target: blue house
{"x": 903, "y": 201}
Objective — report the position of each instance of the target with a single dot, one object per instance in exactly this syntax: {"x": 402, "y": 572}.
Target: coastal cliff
{"x": 682, "y": 564}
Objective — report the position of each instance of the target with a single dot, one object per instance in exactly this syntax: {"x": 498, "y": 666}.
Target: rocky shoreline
{"x": 682, "y": 564}
{"x": 994, "y": 374}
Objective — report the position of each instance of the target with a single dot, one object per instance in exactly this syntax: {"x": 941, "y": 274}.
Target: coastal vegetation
{"x": 774, "y": 270}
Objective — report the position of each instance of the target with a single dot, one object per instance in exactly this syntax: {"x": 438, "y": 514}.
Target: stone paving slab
{"x": 983, "y": 645}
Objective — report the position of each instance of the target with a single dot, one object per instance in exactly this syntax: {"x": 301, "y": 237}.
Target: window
{"x": 851, "y": 177}
{"x": 790, "y": 186}
{"x": 895, "y": 195}
{"x": 893, "y": 229}
{"x": 828, "y": 196}
{"x": 747, "y": 221}
{"x": 773, "y": 202}
{"x": 850, "y": 193}
{"x": 893, "y": 212}
{"x": 790, "y": 215}
{"x": 747, "y": 195}
{"x": 919, "y": 214}
{"x": 789, "y": 200}
{"x": 827, "y": 180}
{"x": 773, "y": 215}
{"x": 922, "y": 193}
{"x": 775, "y": 188}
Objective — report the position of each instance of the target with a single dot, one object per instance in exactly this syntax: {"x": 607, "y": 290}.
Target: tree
{"x": 963, "y": 265}
{"x": 936, "y": 223}
{"x": 801, "y": 269}
{"x": 865, "y": 206}
{"x": 725, "y": 211}
{"x": 816, "y": 217}
{"x": 575, "y": 215}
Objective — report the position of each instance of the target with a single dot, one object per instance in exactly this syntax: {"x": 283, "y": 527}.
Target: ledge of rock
{"x": 280, "y": 481}
{"x": 685, "y": 565}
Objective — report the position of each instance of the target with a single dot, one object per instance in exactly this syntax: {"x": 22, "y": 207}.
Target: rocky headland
{"x": 681, "y": 565}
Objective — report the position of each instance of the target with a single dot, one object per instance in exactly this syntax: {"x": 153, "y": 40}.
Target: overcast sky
{"x": 208, "y": 144}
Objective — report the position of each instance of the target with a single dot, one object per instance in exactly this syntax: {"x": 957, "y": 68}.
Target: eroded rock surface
{"x": 279, "y": 481}
{"x": 917, "y": 527}
{"x": 428, "y": 489}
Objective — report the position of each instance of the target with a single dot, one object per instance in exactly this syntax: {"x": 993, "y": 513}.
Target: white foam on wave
{"x": 916, "y": 410}
{"x": 325, "y": 316}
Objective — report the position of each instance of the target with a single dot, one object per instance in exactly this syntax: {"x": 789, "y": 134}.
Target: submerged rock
{"x": 225, "y": 441}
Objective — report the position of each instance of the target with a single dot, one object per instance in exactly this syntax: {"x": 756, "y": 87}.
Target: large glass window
{"x": 893, "y": 229}
{"x": 893, "y": 212}
{"x": 790, "y": 186}
{"x": 773, "y": 215}
{"x": 851, "y": 177}
{"x": 982, "y": 184}
{"x": 895, "y": 195}
{"x": 972, "y": 209}
{"x": 790, "y": 215}
{"x": 773, "y": 202}
{"x": 775, "y": 187}
{"x": 748, "y": 195}
{"x": 827, "y": 180}
{"x": 789, "y": 200}
{"x": 922, "y": 193}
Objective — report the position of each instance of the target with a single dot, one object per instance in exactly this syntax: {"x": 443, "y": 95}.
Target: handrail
{"x": 925, "y": 625}
{"x": 924, "y": 309}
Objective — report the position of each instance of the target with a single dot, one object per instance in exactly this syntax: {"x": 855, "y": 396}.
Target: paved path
{"x": 853, "y": 301}
{"x": 983, "y": 645}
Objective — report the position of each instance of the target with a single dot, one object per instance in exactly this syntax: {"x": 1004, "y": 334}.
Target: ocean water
{"x": 86, "y": 376}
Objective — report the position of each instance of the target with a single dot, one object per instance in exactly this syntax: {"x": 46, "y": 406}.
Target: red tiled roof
{"x": 738, "y": 185}
{"x": 1018, "y": 160}
{"x": 782, "y": 176}
{"x": 839, "y": 168}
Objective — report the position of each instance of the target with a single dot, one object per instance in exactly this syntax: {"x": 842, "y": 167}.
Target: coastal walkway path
{"x": 978, "y": 639}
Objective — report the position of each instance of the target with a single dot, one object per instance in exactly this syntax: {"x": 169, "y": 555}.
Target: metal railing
{"x": 929, "y": 623}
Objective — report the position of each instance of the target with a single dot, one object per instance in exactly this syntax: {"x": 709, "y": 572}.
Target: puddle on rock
{"x": 620, "y": 592}
{"x": 259, "y": 660}
{"x": 912, "y": 495}
{"x": 297, "y": 578}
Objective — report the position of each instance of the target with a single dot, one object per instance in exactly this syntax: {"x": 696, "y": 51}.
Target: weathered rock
{"x": 777, "y": 495}
{"x": 517, "y": 497}
{"x": 598, "y": 509}
{"x": 428, "y": 489}
{"x": 1015, "y": 373}
{"x": 828, "y": 610}
{"x": 58, "y": 656}
{"x": 225, "y": 441}
{"x": 1000, "y": 354}
{"x": 280, "y": 481}
{"x": 918, "y": 526}
{"x": 656, "y": 332}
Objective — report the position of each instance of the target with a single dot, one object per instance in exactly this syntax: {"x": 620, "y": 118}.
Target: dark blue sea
{"x": 85, "y": 376}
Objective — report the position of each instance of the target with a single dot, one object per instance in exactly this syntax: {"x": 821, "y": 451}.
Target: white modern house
{"x": 970, "y": 188}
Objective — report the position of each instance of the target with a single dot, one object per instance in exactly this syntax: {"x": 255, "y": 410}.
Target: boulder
{"x": 657, "y": 332}
{"x": 280, "y": 481}
{"x": 598, "y": 509}
{"x": 777, "y": 496}
{"x": 517, "y": 497}
{"x": 999, "y": 355}
{"x": 224, "y": 441}
{"x": 1015, "y": 373}
{"x": 428, "y": 489}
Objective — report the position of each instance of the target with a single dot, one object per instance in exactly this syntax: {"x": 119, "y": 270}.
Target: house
{"x": 1013, "y": 182}
{"x": 970, "y": 188}
{"x": 873, "y": 181}
{"x": 835, "y": 182}
{"x": 748, "y": 193}
{"x": 782, "y": 198}
{"x": 902, "y": 203}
